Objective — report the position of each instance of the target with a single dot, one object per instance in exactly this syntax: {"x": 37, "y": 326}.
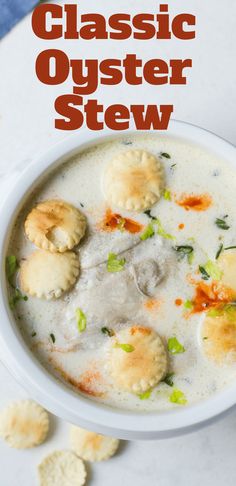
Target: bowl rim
{"x": 38, "y": 382}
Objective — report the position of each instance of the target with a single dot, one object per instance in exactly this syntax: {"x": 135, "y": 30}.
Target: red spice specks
{"x": 208, "y": 296}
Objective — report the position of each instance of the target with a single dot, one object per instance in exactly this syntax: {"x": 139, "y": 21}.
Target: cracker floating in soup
{"x": 47, "y": 275}
{"x": 227, "y": 264}
{"x": 133, "y": 180}
{"x": 55, "y": 226}
{"x": 137, "y": 359}
{"x": 219, "y": 334}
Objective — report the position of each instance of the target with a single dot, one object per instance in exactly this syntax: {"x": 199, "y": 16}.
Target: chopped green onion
{"x": 230, "y": 248}
{"x": 221, "y": 247}
{"x": 164, "y": 154}
{"x": 188, "y": 304}
{"x": 128, "y": 348}
{"x": 226, "y": 309}
{"x": 178, "y": 397}
{"x": 214, "y": 312}
{"x": 205, "y": 275}
{"x": 52, "y": 338}
{"x": 16, "y": 297}
{"x": 167, "y": 195}
{"x": 221, "y": 223}
{"x": 149, "y": 232}
{"x": 34, "y": 334}
{"x": 190, "y": 257}
{"x": 11, "y": 267}
{"x": 212, "y": 270}
{"x": 185, "y": 251}
{"x": 174, "y": 346}
{"x": 114, "y": 264}
{"x": 168, "y": 379}
{"x": 148, "y": 213}
{"x": 161, "y": 231}
{"x": 81, "y": 320}
{"x": 145, "y": 395}
{"x": 109, "y": 332}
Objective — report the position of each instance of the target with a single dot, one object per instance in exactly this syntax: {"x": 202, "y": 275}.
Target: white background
{"x": 206, "y": 457}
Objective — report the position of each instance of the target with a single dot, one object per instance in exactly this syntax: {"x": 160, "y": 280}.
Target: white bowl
{"x": 42, "y": 386}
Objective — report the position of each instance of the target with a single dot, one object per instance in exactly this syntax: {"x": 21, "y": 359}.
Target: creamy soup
{"x": 173, "y": 276}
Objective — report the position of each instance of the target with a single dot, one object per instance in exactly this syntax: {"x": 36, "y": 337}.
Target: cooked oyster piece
{"x": 110, "y": 299}
{"x": 147, "y": 276}
{"x": 97, "y": 246}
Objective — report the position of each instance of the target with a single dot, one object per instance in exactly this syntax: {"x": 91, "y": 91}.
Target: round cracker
{"x": 47, "y": 275}
{"x": 133, "y": 180}
{"x": 219, "y": 334}
{"x": 227, "y": 264}
{"x": 55, "y": 226}
{"x": 62, "y": 468}
{"x": 91, "y": 446}
{"x": 141, "y": 368}
{"x": 24, "y": 424}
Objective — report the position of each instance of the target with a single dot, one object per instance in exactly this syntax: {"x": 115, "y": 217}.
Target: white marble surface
{"x": 206, "y": 457}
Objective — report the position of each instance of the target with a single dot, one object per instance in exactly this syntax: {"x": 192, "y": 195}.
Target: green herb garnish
{"x": 185, "y": 251}
{"x": 221, "y": 247}
{"x": 168, "y": 379}
{"x": 230, "y": 248}
{"x": 148, "y": 213}
{"x": 11, "y": 267}
{"x": 174, "y": 346}
{"x": 188, "y": 304}
{"x": 81, "y": 320}
{"x": 226, "y": 309}
{"x": 164, "y": 154}
{"x": 109, "y": 332}
{"x": 128, "y": 348}
{"x": 52, "y": 338}
{"x": 205, "y": 275}
{"x": 221, "y": 223}
{"x": 149, "y": 232}
{"x": 16, "y": 297}
{"x": 145, "y": 395}
{"x": 114, "y": 264}
{"x": 167, "y": 195}
{"x": 212, "y": 270}
{"x": 161, "y": 231}
{"x": 177, "y": 396}
{"x": 34, "y": 334}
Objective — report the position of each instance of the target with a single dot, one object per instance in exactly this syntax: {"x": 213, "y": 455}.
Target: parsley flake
{"x": 81, "y": 320}
{"x": 174, "y": 346}
{"x": 114, "y": 264}
{"x": 178, "y": 397}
